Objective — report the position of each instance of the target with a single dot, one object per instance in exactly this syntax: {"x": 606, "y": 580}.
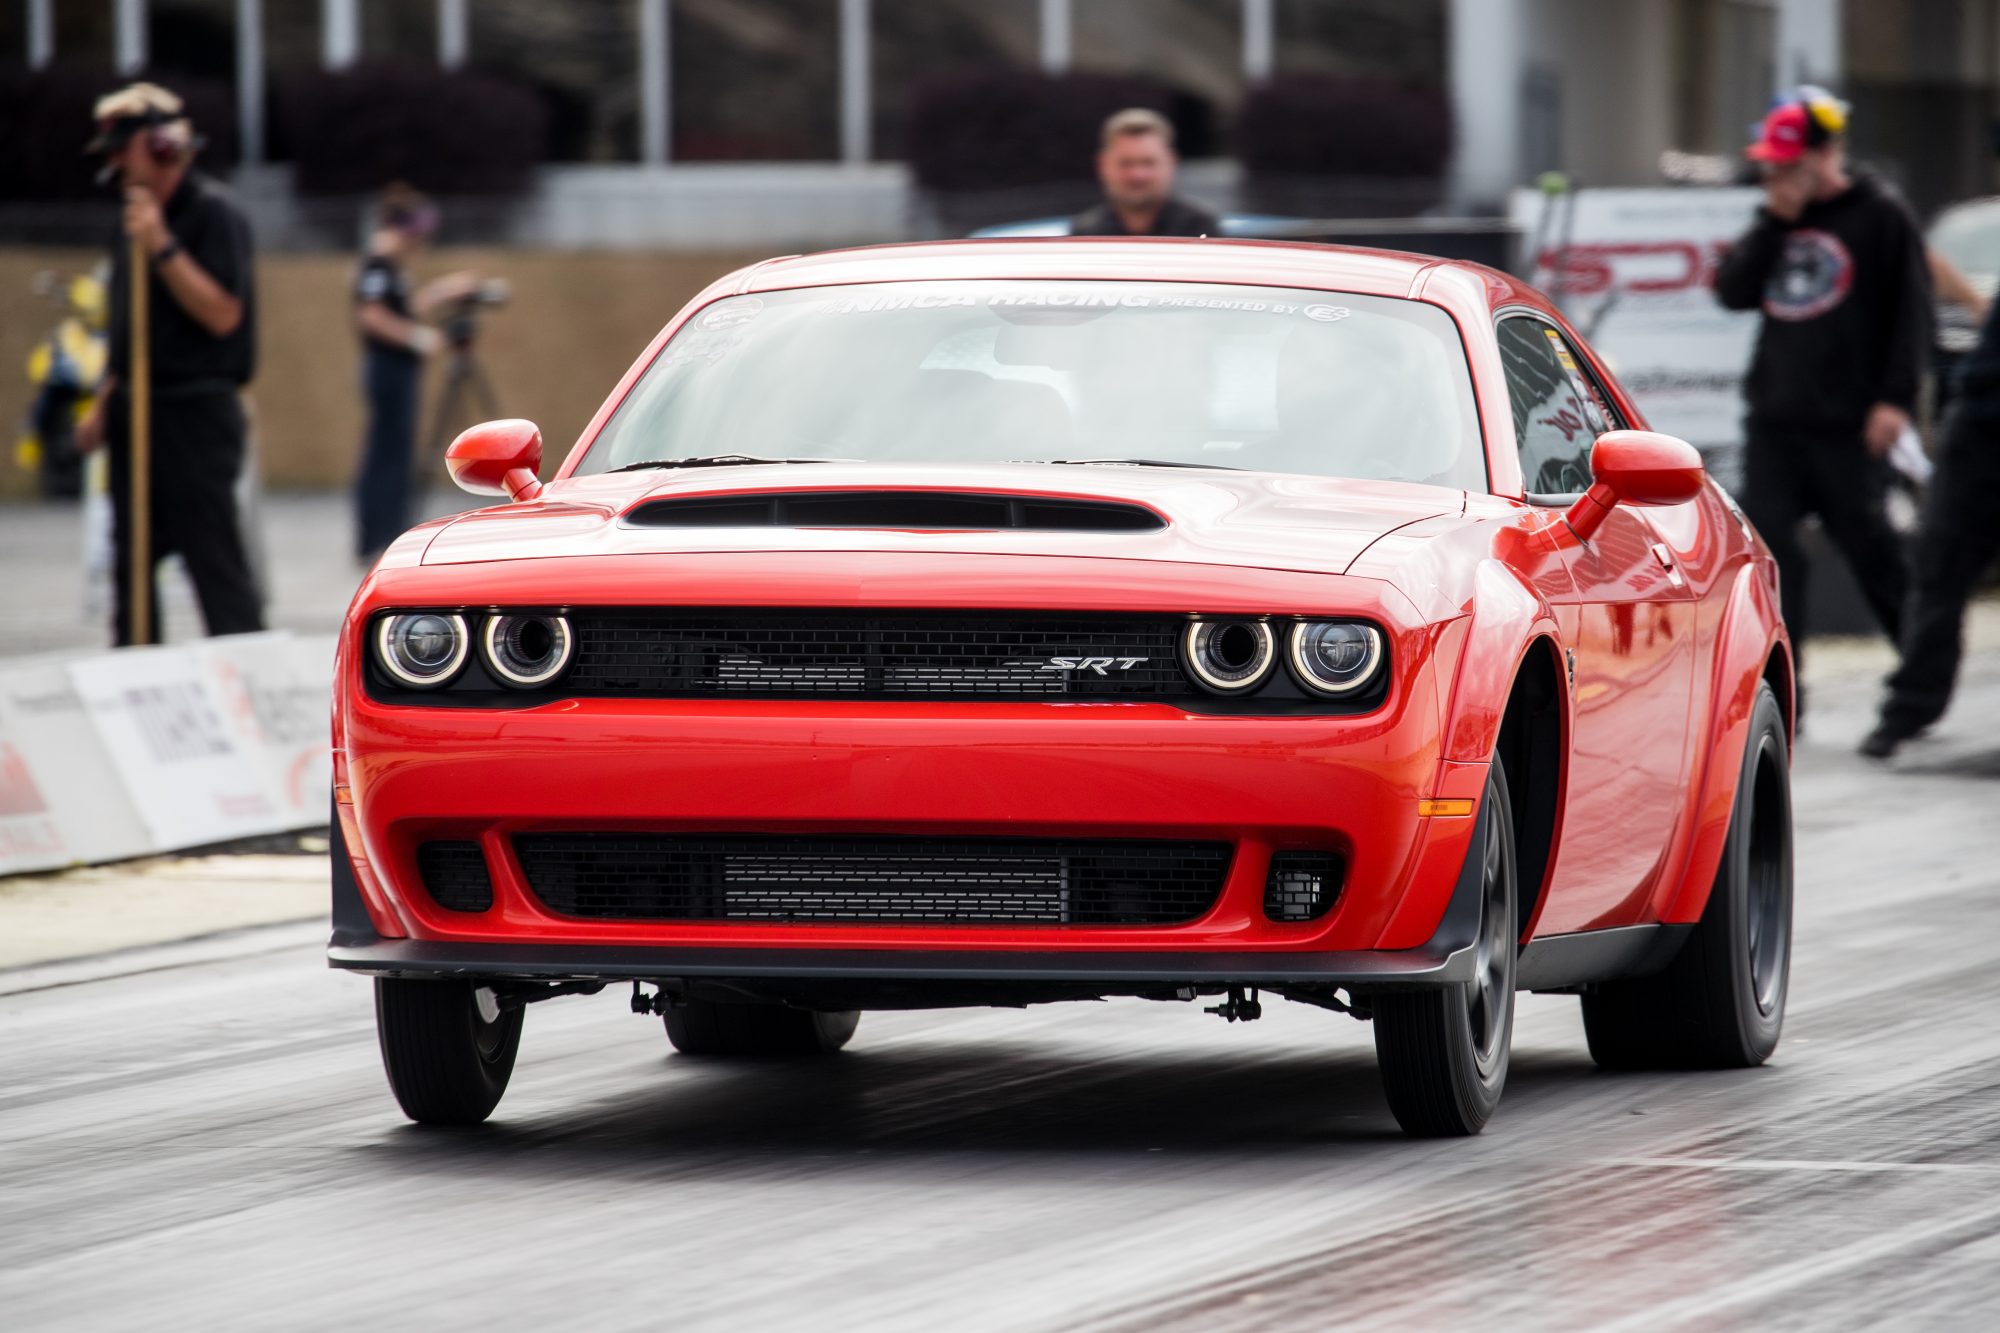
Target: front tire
{"x": 1721, "y": 1003}
{"x": 1444, "y": 1052}
{"x": 447, "y": 1046}
{"x": 756, "y": 1031}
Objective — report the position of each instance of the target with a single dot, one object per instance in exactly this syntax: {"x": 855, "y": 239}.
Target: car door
{"x": 1631, "y": 649}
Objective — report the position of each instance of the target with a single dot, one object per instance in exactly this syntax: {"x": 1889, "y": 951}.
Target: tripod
{"x": 464, "y": 378}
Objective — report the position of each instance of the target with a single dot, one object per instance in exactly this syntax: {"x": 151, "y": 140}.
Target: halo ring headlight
{"x": 422, "y": 650}
{"x": 1335, "y": 657}
{"x": 527, "y": 651}
{"x": 1229, "y": 656}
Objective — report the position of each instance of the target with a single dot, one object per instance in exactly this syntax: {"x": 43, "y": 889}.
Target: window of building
{"x": 581, "y": 57}
{"x": 755, "y": 80}
{"x": 1398, "y": 40}
{"x": 919, "y": 43}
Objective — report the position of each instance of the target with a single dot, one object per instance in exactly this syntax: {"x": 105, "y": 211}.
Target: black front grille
{"x": 454, "y": 875}
{"x": 909, "y": 881}
{"x": 1302, "y": 886}
{"x": 906, "y": 655}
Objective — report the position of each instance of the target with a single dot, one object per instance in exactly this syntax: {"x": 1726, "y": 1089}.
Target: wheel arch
{"x": 1510, "y": 697}
{"x": 1532, "y": 743}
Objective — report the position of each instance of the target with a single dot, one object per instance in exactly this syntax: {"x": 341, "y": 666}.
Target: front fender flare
{"x": 1507, "y": 617}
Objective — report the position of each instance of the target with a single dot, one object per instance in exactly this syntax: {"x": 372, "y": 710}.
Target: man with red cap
{"x": 1836, "y": 264}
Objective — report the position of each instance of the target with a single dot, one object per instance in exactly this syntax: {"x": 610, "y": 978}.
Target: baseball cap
{"x": 1806, "y": 119}
{"x": 122, "y": 114}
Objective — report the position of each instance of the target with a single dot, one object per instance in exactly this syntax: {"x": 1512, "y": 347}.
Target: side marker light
{"x": 1447, "y": 808}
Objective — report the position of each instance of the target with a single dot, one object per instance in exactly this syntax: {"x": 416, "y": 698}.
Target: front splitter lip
{"x": 1427, "y": 966}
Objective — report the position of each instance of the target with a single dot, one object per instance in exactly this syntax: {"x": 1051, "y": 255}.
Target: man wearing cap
{"x": 394, "y": 343}
{"x": 201, "y": 348}
{"x": 1136, "y": 165}
{"x": 1836, "y": 263}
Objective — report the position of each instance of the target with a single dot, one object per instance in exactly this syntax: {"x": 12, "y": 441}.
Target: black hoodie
{"x": 1847, "y": 307}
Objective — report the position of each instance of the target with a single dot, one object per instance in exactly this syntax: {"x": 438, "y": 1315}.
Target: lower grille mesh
{"x": 454, "y": 875}
{"x": 913, "y": 881}
{"x": 1302, "y": 886}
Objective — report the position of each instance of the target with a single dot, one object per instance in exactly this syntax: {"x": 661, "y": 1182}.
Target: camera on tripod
{"x": 461, "y": 317}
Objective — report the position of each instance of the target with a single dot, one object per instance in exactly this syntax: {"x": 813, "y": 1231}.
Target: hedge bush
{"x": 45, "y": 123}
{"x": 455, "y": 132}
{"x": 1003, "y": 129}
{"x": 1316, "y": 126}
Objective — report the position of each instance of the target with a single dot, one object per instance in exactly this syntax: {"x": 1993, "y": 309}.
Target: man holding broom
{"x": 169, "y": 415}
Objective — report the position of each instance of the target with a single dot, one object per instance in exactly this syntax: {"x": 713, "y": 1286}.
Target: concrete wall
{"x": 575, "y": 323}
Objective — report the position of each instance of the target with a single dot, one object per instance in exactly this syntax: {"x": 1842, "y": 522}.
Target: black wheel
{"x": 448, "y": 1048}
{"x": 1721, "y": 1002}
{"x": 1444, "y": 1052}
{"x": 708, "y": 1028}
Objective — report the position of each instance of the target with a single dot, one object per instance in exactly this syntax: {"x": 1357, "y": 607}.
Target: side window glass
{"x": 1556, "y": 417}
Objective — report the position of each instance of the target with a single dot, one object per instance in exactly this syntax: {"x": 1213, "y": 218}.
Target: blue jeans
{"x": 391, "y": 381}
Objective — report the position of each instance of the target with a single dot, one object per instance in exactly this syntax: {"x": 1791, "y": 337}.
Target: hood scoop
{"x": 978, "y": 511}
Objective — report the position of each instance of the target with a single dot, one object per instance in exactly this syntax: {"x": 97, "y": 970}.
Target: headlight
{"x": 1229, "y": 656}
{"x": 1335, "y": 656}
{"x": 422, "y": 649}
{"x": 526, "y": 651}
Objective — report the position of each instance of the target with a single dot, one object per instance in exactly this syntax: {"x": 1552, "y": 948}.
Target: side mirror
{"x": 1637, "y": 467}
{"x": 498, "y": 458}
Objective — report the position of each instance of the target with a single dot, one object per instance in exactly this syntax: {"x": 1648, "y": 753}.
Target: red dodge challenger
{"x": 997, "y": 623}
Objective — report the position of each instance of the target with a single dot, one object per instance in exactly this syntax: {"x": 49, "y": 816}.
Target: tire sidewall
{"x": 1757, "y": 1029}
{"x": 1491, "y": 1081}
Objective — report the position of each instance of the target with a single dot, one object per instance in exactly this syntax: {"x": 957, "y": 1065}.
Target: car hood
{"x": 1266, "y": 520}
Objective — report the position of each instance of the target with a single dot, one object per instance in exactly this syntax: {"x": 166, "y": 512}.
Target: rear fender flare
{"x": 1749, "y": 638}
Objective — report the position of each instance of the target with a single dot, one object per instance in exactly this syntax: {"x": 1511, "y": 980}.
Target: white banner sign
{"x": 274, "y": 692}
{"x": 61, "y": 800}
{"x": 191, "y": 771}
{"x": 151, "y": 749}
{"x": 1634, "y": 271}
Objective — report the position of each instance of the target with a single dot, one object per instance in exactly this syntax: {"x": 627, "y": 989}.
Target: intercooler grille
{"x": 911, "y": 655}
{"x": 911, "y": 881}
{"x": 454, "y": 874}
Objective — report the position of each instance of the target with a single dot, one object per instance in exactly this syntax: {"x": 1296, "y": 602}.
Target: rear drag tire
{"x": 1720, "y": 1004}
{"x": 715, "y": 1030}
{"x": 1444, "y": 1052}
{"x": 447, "y": 1047}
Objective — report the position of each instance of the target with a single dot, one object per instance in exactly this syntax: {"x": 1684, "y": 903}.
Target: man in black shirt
{"x": 1135, "y": 165}
{"x": 1837, "y": 264}
{"x": 1955, "y": 546}
{"x": 201, "y": 340}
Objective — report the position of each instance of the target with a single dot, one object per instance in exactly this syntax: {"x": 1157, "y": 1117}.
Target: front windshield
{"x": 1262, "y": 378}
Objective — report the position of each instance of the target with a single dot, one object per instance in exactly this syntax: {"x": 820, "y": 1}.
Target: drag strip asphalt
{"x": 207, "y": 1141}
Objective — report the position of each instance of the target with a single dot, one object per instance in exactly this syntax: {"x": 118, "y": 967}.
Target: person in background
{"x": 1837, "y": 265}
{"x": 1136, "y": 163}
{"x": 1956, "y": 544}
{"x": 394, "y": 343}
{"x": 201, "y": 341}
{"x": 1960, "y": 311}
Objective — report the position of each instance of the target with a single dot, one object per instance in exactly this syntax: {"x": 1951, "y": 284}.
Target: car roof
{"x": 1252, "y": 263}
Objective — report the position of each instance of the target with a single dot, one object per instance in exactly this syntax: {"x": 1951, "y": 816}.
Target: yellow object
{"x": 1446, "y": 808}
{"x": 85, "y": 350}
{"x": 87, "y": 299}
